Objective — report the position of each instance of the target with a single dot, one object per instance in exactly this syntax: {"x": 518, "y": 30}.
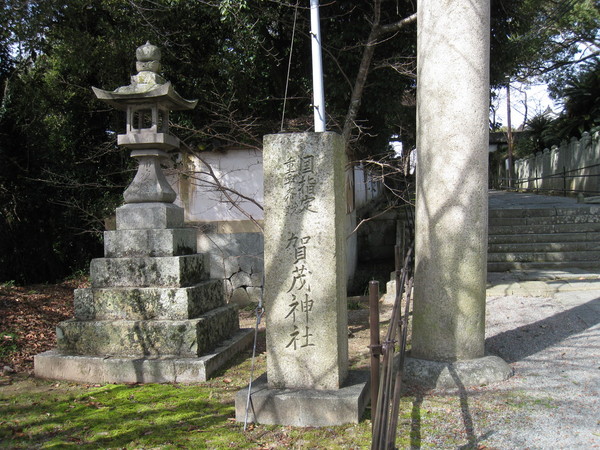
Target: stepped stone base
{"x": 456, "y": 375}
{"x": 142, "y": 243}
{"x": 148, "y": 303}
{"x": 152, "y": 315}
{"x": 149, "y": 216}
{"x": 163, "y": 271}
{"x": 102, "y": 369}
{"x": 142, "y": 338}
{"x": 305, "y": 407}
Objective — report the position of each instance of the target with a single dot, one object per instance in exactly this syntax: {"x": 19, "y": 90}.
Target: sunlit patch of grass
{"x": 153, "y": 415}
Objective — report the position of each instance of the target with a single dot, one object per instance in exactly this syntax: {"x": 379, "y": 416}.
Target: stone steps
{"x": 587, "y": 227}
{"x": 544, "y": 238}
{"x": 545, "y": 247}
{"x": 499, "y": 239}
{"x": 544, "y": 256}
{"x": 543, "y": 212}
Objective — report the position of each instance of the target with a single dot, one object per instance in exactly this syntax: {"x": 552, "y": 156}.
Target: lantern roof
{"x": 147, "y": 86}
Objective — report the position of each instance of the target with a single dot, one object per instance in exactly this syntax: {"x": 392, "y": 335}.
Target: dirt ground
{"x": 28, "y": 317}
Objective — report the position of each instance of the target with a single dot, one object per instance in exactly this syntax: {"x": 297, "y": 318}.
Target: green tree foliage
{"x": 581, "y": 99}
{"x": 540, "y": 133}
{"x": 542, "y": 38}
{"x": 60, "y": 171}
{"x": 58, "y": 174}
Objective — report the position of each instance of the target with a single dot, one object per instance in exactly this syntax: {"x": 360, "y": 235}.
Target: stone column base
{"x": 453, "y": 375}
{"x": 106, "y": 369}
{"x": 305, "y": 407}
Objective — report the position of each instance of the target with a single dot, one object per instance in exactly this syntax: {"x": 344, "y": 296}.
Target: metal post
{"x": 317, "y": 68}
{"x": 509, "y": 136}
{"x": 375, "y": 344}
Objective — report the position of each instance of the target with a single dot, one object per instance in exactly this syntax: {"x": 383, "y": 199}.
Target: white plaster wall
{"x": 366, "y": 188}
{"x": 240, "y": 170}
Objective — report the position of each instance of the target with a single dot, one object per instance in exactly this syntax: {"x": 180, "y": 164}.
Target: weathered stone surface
{"x": 305, "y": 408}
{"x": 305, "y": 261}
{"x": 150, "y": 184}
{"x": 232, "y": 252}
{"x": 241, "y": 279}
{"x": 142, "y": 216}
{"x": 255, "y": 294}
{"x": 140, "y": 243}
{"x": 174, "y": 271}
{"x": 148, "y": 303}
{"x": 451, "y": 183}
{"x": 240, "y": 297}
{"x": 457, "y": 375}
{"x": 163, "y": 141}
{"x": 184, "y": 338}
{"x": 106, "y": 369}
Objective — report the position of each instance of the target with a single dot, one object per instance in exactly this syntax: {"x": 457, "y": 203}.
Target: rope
{"x": 287, "y": 80}
{"x": 260, "y": 310}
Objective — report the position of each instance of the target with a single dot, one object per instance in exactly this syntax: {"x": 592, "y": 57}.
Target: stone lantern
{"x": 151, "y": 313}
{"x": 147, "y": 102}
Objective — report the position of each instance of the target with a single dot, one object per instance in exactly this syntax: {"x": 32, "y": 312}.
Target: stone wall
{"x": 573, "y": 167}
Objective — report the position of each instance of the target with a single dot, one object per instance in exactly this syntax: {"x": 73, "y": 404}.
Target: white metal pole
{"x": 317, "y": 67}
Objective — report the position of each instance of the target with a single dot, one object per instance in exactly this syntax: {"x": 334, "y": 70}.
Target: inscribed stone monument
{"x": 307, "y": 382}
{"x": 305, "y": 283}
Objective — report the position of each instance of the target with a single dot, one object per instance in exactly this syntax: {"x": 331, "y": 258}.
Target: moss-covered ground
{"x": 38, "y": 413}
{"x": 49, "y": 414}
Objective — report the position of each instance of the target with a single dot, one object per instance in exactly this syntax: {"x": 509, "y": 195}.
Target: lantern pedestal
{"x": 150, "y": 184}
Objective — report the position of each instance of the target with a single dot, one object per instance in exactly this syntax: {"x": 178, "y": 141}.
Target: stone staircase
{"x": 544, "y": 238}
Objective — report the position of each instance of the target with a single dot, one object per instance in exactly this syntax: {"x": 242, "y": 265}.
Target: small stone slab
{"x": 142, "y": 216}
{"x": 164, "y": 271}
{"x": 148, "y": 303}
{"x": 140, "y": 243}
{"x": 594, "y": 199}
{"x": 305, "y": 407}
{"x": 183, "y": 338}
{"x": 106, "y": 369}
{"x": 456, "y": 375}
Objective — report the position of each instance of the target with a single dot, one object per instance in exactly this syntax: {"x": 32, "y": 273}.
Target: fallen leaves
{"x": 28, "y": 318}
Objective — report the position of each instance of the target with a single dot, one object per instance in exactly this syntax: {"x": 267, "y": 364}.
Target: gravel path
{"x": 553, "y": 344}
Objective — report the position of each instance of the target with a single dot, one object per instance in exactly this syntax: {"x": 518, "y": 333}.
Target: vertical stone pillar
{"x": 307, "y": 381}
{"x": 305, "y": 260}
{"x": 452, "y": 191}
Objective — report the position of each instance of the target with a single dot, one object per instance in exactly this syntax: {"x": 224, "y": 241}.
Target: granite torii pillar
{"x": 452, "y": 196}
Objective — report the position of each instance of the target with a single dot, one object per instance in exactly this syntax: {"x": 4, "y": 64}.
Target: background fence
{"x": 572, "y": 168}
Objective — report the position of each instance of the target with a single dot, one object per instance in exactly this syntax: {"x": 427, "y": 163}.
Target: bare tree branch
{"x": 397, "y": 26}
{"x": 377, "y": 32}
